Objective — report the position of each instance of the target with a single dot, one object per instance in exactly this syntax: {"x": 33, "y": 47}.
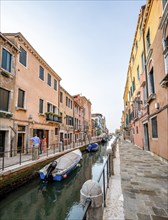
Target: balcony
{"x": 5, "y": 114}
{"x": 50, "y": 116}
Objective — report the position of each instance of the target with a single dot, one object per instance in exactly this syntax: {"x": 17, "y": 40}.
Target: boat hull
{"x": 92, "y": 147}
{"x": 65, "y": 175}
{"x": 60, "y": 171}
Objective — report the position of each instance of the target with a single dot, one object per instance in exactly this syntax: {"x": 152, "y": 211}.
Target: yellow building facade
{"x": 145, "y": 101}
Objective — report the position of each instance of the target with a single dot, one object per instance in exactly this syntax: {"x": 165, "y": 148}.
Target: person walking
{"x": 36, "y": 145}
{"x": 44, "y": 144}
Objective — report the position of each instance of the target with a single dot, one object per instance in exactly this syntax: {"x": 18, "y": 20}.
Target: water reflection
{"x": 53, "y": 200}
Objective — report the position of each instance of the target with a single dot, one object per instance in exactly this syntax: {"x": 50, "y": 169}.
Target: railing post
{"x": 47, "y": 151}
{"x": 104, "y": 188}
{"x": 108, "y": 173}
{"x": 3, "y": 160}
{"x": 114, "y": 148}
{"x": 111, "y": 165}
{"x": 92, "y": 190}
{"x": 20, "y": 157}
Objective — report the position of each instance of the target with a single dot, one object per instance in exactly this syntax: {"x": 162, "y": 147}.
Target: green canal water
{"x": 53, "y": 200}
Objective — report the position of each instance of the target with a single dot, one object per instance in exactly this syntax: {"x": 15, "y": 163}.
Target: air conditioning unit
{"x": 157, "y": 105}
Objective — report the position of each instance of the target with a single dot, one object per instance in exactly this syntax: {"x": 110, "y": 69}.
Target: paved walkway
{"x": 144, "y": 181}
{"x": 114, "y": 202}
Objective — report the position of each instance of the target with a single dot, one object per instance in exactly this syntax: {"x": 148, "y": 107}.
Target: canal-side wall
{"x": 18, "y": 175}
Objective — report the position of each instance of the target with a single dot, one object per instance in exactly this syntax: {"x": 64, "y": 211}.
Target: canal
{"x": 53, "y": 200}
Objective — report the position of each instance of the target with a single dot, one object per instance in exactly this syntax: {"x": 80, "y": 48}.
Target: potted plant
{"x": 5, "y": 114}
{"x": 56, "y": 117}
{"x": 49, "y": 116}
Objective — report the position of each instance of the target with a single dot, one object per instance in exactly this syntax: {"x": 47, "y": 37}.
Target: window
{"x": 21, "y": 97}
{"x": 136, "y": 45}
{"x": 4, "y": 100}
{"x": 165, "y": 52}
{"x": 66, "y": 101}
{"x": 154, "y": 127}
{"x": 54, "y": 109}
{"x": 69, "y": 120}
{"x": 140, "y": 27}
{"x": 129, "y": 95}
{"x": 61, "y": 97}
{"x": 6, "y": 60}
{"x": 164, "y": 4}
{"x": 41, "y": 102}
{"x": 132, "y": 59}
{"x": 144, "y": 93}
{"x": 49, "y": 107}
{"x": 148, "y": 39}
{"x": 138, "y": 76}
{"x": 49, "y": 79}
{"x": 131, "y": 92}
{"x": 133, "y": 85}
{"x": 151, "y": 82}
{"x": 166, "y": 63}
{"x": 56, "y": 131}
{"x": 41, "y": 73}
{"x": 137, "y": 129}
{"x": 23, "y": 56}
{"x": 143, "y": 61}
{"x": 55, "y": 84}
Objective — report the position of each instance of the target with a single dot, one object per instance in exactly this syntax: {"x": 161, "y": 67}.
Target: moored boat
{"x": 92, "y": 147}
{"x": 60, "y": 168}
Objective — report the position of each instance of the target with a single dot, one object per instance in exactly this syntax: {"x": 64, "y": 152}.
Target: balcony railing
{"x": 53, "y": 117}
{"x": 5, "y": 114}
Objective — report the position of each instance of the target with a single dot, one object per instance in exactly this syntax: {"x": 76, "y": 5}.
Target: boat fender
{"x": 65, "y": 176}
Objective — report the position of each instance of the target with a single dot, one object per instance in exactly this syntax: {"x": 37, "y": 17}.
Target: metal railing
{"x": 15, "y": 157}
{"x": 105, "y": 183}
{"x": 104, "y": 186}
{"x": 86, "y": 207}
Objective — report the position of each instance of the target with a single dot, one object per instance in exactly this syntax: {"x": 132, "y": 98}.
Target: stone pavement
{"x": 141, "y": 181}
{"x": 114, "y": 202}
{"x": 144, "y": 182}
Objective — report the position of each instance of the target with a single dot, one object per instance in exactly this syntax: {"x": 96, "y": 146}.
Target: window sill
{"x": 21, "y": 109}
{"x": 5, "y": 73}
{"x": 151, "y": 97}
{"x": 155, "y": 139}
{"x": 164, "y": 81}
{"x": 23, "y": 65}
{"x": 41, "y": 114}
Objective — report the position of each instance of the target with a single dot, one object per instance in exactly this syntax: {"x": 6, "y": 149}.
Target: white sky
{"x": 88, "y": 44}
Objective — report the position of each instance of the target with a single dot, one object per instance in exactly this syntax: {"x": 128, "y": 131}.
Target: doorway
{"x": 2, "y": 143}
{"x": 42, "y": 133}
{"x": 20, "y": 143}
{"x": 146, "y": 137}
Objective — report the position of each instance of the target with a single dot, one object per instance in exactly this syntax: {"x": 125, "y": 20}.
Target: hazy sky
{"x": 88, "y": 44}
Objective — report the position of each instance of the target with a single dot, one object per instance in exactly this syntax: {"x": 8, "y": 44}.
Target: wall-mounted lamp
{"x": 30, "y": 117}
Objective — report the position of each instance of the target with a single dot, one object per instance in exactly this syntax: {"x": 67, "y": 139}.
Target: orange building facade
{"x": 32, "y": 101}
